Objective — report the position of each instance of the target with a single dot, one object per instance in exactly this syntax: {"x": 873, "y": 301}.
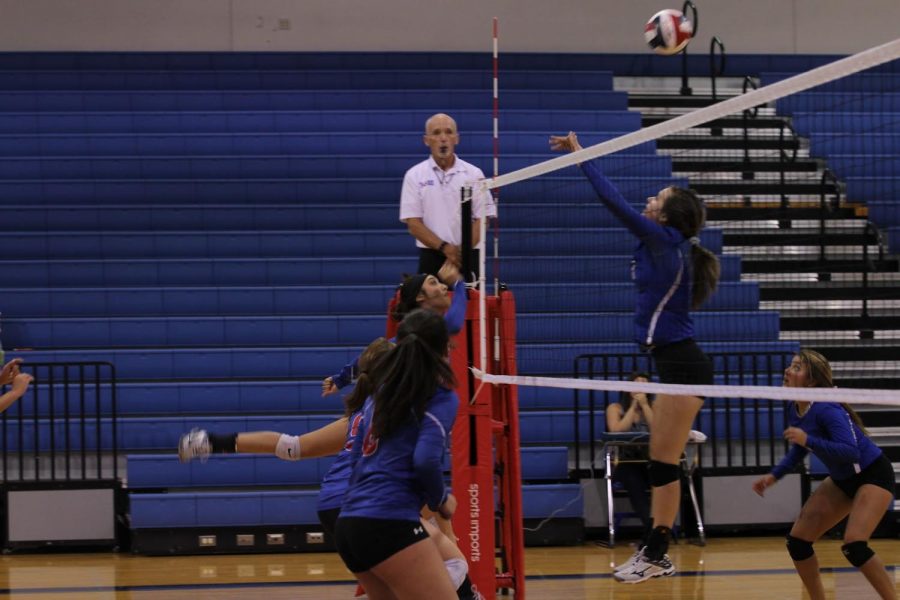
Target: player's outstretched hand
{"x": 10, "y": 371}
{"x": 449, "y": 273}
{"x": 764, "y": 482}
{"x": 565, "y": 143}
{"x": 329, "y": 387}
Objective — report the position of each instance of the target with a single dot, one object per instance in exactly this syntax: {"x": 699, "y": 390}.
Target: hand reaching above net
{"x": 565, "y": 143}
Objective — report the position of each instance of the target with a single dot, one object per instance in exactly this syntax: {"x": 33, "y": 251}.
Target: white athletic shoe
{"x": 194, "y": 445}
{"x": 645, "y": 569}
{"x": 638, "y": 555}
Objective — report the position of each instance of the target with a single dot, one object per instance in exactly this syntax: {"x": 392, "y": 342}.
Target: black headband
{"x": 410, "y": 290}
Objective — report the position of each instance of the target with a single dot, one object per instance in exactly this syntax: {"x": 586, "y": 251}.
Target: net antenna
{"x": 798, "y": 83}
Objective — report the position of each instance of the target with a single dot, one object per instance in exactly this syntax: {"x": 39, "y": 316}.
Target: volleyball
{"x": 668, "y": 31}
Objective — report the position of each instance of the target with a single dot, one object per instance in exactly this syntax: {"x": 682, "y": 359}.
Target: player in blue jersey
{"x": 333, "y": 439}
{"x": 336, "y": 438}
{"x": 399, "y": 452}
{"x": 418, "y": 291}
{"x": 674, "y": 274}
{"x": 860, "y": 483}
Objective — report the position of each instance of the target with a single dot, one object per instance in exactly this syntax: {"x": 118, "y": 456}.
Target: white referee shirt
{"x": 432, "y": 194}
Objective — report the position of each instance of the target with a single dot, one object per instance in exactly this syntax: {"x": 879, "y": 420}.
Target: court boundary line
{"x": 309, "y": 584}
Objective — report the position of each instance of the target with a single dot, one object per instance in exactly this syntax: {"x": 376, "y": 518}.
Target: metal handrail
{"x": 80, "y": 428}
{"x": 870, "y": 229}
{"x": 746, "y": 115}
{"x": 824, "y": 210}
{"x": 713, "y": 72}
{"x": 685, "y": 87}
{"x": 783, "y": 158}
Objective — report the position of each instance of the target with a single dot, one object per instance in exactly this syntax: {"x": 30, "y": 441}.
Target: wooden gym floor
{"x": 730, "y": 568}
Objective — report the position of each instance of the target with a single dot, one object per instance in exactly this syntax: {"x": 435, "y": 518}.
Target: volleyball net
{"x": 801, "y": 179}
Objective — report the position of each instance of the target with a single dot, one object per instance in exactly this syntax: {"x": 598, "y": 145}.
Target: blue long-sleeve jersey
{"x": 394, "y": 476}
{"x": 334, "y": 484}
{"x": 833, "y": 437}
{"x": 454, "y": 318}
{"x": 662, "y": 269}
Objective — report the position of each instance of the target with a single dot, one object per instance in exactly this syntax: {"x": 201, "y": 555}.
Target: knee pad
{"x": 457, "y": 568}
{"x": 662, "y": 473}
{"x": 799, "y": 549}
{"x": 288, "y": 447}
{"x": 857, "y": 553}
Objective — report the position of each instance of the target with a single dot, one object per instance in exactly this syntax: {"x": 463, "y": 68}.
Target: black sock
{"x": 646, "y": 535}
{"x": 657, "y": 543}
{"x": 465, "y": 591}
{"x": 222, "y": 443}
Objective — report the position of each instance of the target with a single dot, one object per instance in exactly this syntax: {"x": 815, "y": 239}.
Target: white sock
{"x": 457, "y": 568}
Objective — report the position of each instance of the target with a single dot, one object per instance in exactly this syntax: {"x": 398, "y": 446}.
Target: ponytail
{"x": 707, "y": 270}
{"x": 409, "y": 375}
{"x": 365, "y": 384}
{"x": 685, "y": 211}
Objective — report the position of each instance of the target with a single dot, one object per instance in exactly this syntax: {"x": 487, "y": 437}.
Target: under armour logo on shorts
{"x": 419, "y": 530}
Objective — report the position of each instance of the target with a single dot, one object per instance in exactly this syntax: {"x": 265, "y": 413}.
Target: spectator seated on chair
{"x": 633, "y": 413}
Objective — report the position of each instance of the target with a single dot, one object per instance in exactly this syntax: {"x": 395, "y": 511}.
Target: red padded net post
{"x": 484, "y": 447}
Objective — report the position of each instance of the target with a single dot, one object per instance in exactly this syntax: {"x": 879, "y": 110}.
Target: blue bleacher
{"x": 846, "y": 121}
{"x": 224, "y": 229}
{"x": 271, "y": 145}
{"x": 854, "y": 123}
{"x": 357, "y": 99}
{"x": 135, "y": 123}
{"x": 864, "y": 164}
{"x": 827, "y": 143}
{"x": 212, "y": 509}
{"x": 320, "y": 361}
{"x": 859, "y": 82}
{"x": 268, "y": 80}
{"x": 894, "y": 239}
{"x": 186, "y": 509}
{"x": 830, "y": 101}
{"x": 287, "y": 397}
{"x": 148, "y": 471}
{"x": 175, "y": 192}
{"x": 275, "y": 166}
{"x": 319, "y": 242}
{"x": 321, "y": 300}
{"x": 873, "y": 190}
{"x": 358, "y": 330}
{"x": 221, "y": 272}
{"x": 161, "y": 434}
{"x": 886, "y": 213}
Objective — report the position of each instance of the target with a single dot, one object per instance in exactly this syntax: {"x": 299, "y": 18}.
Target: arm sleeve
{"x": 410, "y": 202}
{"x": 790, "y": 460}
{"x": 456, "y": 314}
{"x": 842, "y": 446}
{"x": 428, "y": 456}
{"x": 638, "y": 224}
{"x": 344, "y": 377}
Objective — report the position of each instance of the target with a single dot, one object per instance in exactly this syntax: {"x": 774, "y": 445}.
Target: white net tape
{"x": 755, "y": 392}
